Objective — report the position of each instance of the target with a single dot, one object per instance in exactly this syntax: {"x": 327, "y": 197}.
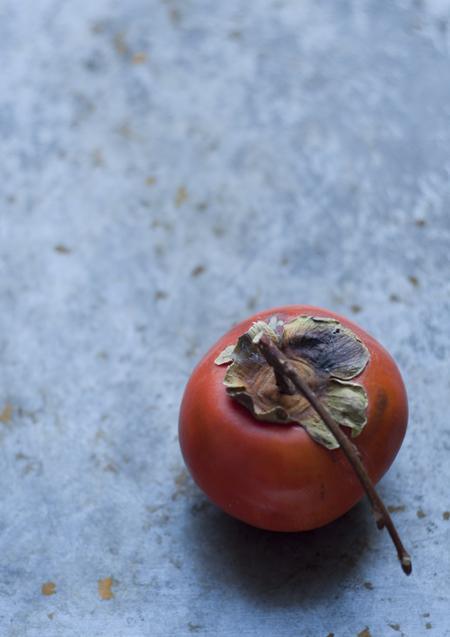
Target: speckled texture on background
{"x": 168, "y": 168}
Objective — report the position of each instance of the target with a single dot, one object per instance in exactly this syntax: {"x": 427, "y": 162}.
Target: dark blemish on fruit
{"x": 381, "y": 402}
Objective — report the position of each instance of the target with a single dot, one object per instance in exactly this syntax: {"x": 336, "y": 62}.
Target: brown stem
{"x": 282, "y": 367}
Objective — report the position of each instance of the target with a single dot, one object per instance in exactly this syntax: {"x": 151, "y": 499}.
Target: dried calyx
{"x": 323, "y": 352}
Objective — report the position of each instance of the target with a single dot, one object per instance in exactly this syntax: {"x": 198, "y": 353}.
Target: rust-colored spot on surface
{"x": 62, "y": 249}
{"x": 368, "y": 585}
{"x": 414, "y": 280}
{"x": 97, "y": 157}
{"x": 181, "y": 196}
{"x": 119, "y": 43}
{"x": 174, "y": 15}
{"x": 364, "y": 633}
{"x": 395, "y": 626}
{"x": 198, "y": 270}
{"x": 395, "y": 509}
{"x": 394, "y": 298}
{"x": 111, "y": 468}
{"x": 139, "y": 58}
{"x": 446, "y": 515}
{"x": 420, "y": 513}
{"x": 426, "y": 615}
{"x": 194, "y": 628}
{"x": 48, "y": 589}
{"x": 104, "y": 588}
{"x": 356, "y": 309}
{"x": 150, "y": 181}
{"x": 428, "y": 625}
{"x": 5, "y": 416}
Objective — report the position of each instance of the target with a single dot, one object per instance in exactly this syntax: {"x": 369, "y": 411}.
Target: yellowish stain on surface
{"x": 139, "y": 58}
{"x": 181, "y": 482}
{"x": 104, "y": 588}
{"x": 97, "y": 157}
{"x": 181, "y": 196}
{"x": 198, "y": 270}
{"x": 395, "y": 509}
{"x": 150, "y": 181}
{"x": 119, "y": 43}
{"x": 48, "y": 588}
{"x": 5, "y": 416}
{"x": 62, "y": 249}
{"x": 111, "y": 468}
{"x": 364, "y": 633}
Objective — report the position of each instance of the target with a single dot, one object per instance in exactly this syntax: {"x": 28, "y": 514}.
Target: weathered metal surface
{"x": 167, "y": 169}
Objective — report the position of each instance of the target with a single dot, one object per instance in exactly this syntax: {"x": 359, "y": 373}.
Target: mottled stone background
{"x": 168, "y": 168}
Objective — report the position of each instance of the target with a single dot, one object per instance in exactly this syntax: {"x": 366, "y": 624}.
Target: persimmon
{"x": 253, "y": 430}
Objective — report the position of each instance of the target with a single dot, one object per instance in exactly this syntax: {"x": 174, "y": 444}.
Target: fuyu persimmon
{"x": 267, "y": 459}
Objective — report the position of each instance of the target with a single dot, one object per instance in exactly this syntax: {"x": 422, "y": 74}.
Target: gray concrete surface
{"x": 168, "y": 168}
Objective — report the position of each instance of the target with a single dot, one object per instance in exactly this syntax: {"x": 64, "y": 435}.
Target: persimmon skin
{"x": 273, "y": 476}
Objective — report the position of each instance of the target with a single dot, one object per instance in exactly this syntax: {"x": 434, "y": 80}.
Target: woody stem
{"x": 283, "y": 368}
